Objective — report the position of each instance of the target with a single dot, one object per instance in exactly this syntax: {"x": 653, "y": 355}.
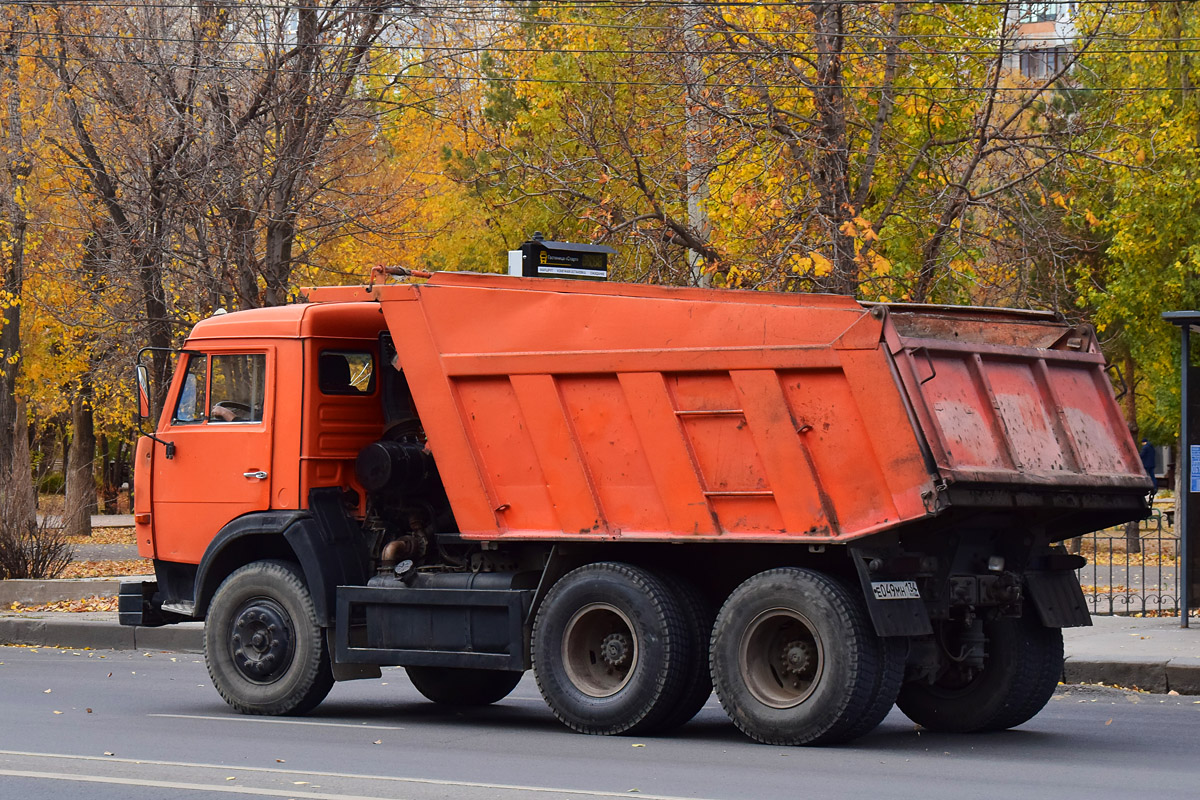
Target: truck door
{"x": 220, "y": 427}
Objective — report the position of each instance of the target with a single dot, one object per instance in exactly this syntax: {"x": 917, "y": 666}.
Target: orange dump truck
{"x": 817, "y": 508}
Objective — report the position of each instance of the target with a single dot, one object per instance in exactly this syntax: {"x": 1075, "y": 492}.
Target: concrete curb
{"x": 1157, "y": 676}
{"x": 99, "y": 634}
{"x": 32, "y": 592}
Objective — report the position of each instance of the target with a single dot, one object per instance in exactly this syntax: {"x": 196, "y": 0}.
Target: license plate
{"x": 895, "y": 590}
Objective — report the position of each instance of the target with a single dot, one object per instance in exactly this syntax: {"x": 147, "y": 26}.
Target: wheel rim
{"x": 262, "y": 640}
{"x": 599, "y": 650}
{"x": 781, "y": 658}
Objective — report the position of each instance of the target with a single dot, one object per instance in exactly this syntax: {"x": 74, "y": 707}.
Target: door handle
{"x": 260, "y": 475}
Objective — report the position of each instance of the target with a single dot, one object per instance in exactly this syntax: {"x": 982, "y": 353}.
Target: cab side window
{"x": 193, "y": 398}
{"x": 237, "y": 388}
{"x": 222, "y": 388}
{"x": 345, "y": 372}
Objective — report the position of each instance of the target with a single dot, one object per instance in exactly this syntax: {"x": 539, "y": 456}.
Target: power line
{"x": 1012, "y": 49}
{"x": 487, "y": 13}
{"x": 900, "y": 88}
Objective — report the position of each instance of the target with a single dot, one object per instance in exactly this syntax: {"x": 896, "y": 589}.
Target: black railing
{"x": 1133, "y": 571}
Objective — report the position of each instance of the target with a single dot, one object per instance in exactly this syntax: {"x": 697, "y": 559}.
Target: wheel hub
{"x": 615, "y": 649}
{"x": 262, "y": 640}
{"x": 797, "y": 657}
{"x": 781, "y": 657}
{"x": 599, "y": 650}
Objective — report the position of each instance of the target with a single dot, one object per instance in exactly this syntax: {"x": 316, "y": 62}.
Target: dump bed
{"x": 565, "y": 410}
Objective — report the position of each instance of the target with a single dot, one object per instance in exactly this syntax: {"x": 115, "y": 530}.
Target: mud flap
{"x": 892, "y": 612}
{"x": 1058, "y": 598}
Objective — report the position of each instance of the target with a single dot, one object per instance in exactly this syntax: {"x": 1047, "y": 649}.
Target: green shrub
{"x": 51, "y": 483}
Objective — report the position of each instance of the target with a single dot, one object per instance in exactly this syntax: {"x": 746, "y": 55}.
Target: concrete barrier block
{"x": 80, "y": 634}
{"x": 22, "y": 630}
{"x": 185, "y": 637}
{"x": 34, "y": 592}
{"x": 1183, "y": 675}
{"x": 1126, "y": 672}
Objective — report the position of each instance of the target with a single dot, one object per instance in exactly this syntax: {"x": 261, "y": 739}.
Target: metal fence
{"x": 1131, "y": 572}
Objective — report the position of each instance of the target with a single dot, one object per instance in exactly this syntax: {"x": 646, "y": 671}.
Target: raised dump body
{"x": 561, "y": 410}
{"x": 817, "y": 508}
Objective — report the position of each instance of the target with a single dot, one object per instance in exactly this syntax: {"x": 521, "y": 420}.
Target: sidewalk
{"x": 1154, "y": 655}
{"x": 98, "y": 520}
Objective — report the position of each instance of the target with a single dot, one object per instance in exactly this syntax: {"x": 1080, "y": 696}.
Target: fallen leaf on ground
{"x": 105, "y": 569}
{"x": 125, "y": 535}
{"x": 94, "y": 603}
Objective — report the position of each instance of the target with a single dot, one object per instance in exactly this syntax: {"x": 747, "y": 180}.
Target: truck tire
{"x": 463, "y": 687}
{"x": 1024, "y": 665}
{"x": 893, "y": 654}
{"x": 698, "y": 615}
{"x": 609, "y": 644}
{"x": 796, "y": 661}
{"x": 264, "y": 648}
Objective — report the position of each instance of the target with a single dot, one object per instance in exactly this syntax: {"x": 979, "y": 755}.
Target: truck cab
{"x": 265, "y": 405}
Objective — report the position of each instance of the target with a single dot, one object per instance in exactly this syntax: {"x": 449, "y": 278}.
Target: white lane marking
{"x": 175, "y": 785}
{"x": 514, "y": 787}
{"x": 280, "y": 721}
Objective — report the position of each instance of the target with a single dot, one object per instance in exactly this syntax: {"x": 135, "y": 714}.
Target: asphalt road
{"x": 141, "y": 726}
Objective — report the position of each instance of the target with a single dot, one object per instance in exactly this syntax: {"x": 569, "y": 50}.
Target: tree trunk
{"x": 1133, "y": 542}
{"x": 831, "y": 166}
{"x": 18, "y": 498}
{"x": 16, "y": 169}
{"x": 110, "y": 472}
{"x": 81, "y": 481}
{"x": 696, "y": 129}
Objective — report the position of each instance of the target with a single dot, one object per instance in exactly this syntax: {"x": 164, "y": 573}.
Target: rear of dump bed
{"x": 560, "y": 410}
{"x": 1018, "y": 416}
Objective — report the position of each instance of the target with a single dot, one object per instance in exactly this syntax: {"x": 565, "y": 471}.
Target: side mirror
{"x": 143, "y": 392}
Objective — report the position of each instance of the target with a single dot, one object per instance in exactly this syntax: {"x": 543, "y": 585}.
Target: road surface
{"x": 142, "y": 726}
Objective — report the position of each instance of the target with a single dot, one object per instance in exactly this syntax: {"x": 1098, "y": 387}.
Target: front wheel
{"x": 463, "y": 687}
{"x": 1023, "y": 666}
{"x": 263, "y": 645}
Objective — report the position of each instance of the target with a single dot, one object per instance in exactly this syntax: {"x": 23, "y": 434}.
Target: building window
{"x": 1043, "y": 62}
{"x": 1041, "y": 12}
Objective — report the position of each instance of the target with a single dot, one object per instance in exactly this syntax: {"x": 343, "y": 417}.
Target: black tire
{"x": 1024, "y": 665}
{"x": 264, "y": 648}
{"x": 698, "y": 615}
{"x": 893, "y": 653}
{"x": 463, "y": 687}
{"x": 795, "y": 659}
{"x": 609, "y": 642}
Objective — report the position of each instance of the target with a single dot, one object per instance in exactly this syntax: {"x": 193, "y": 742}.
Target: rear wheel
{"x": 609, "y": 644}
{"x": 263, "y": 646}
{"x": 698, "y": 616}
{"x": 463, "y": 687}
{"x": 1023, "y": 666}
{"x": 795, "y": 659}
{"x": 893, "y": 651}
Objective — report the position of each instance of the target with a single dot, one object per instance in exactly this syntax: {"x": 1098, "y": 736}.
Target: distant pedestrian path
{"x": 98, "y": 521}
